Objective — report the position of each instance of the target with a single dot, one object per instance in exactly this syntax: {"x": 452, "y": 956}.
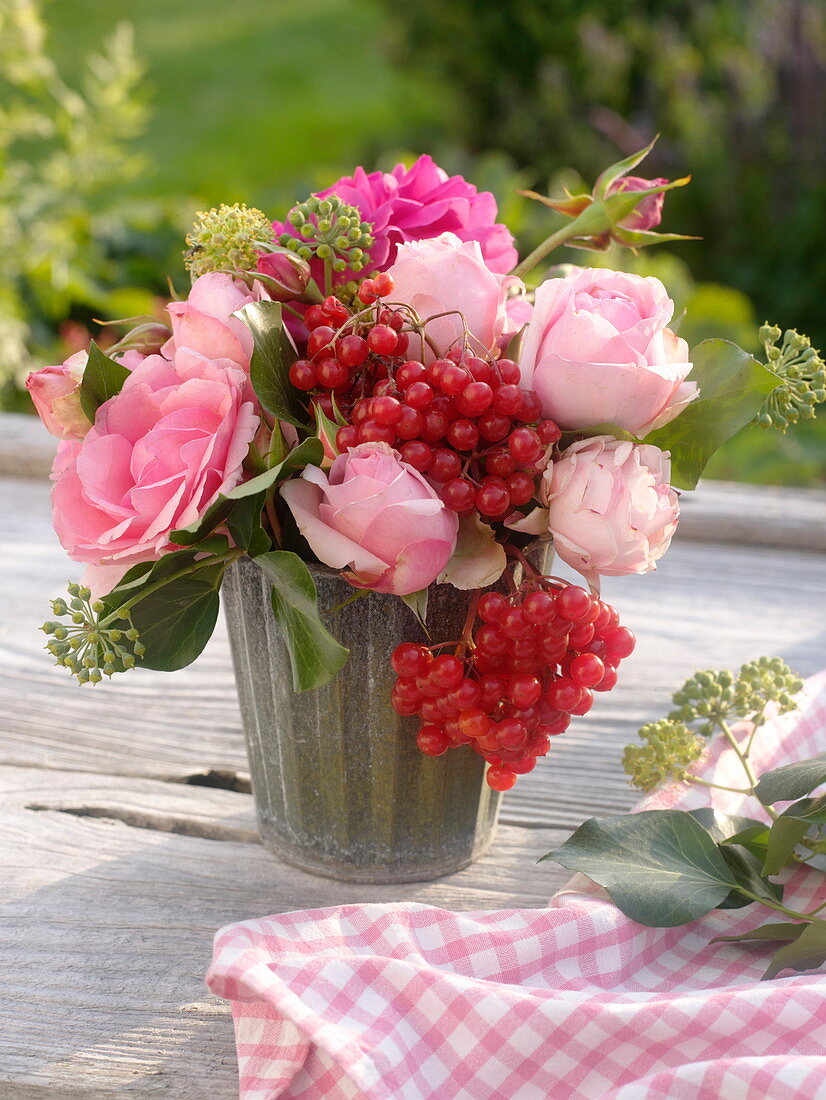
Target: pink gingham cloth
{"x": 408, "y": 1002}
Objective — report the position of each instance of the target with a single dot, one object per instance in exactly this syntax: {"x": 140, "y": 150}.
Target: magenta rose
{"x": 446, "y": 275}
{"x": 158, "y": 455}
{"x": 204, "y": 322}
{"x": 376, "y": 517}
{"x": 649, "y": 211}
{"x": 597, "y": 351}
{"x": 611, "y": 509}
{"x": 411, "y": 204}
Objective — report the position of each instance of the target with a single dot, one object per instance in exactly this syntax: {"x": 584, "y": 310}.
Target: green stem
{"x": 350, "y": 599}
{"x": 716, "y": 786}
{"x": 328, "y": 277}
{"x": 548, "y": 245}
{"x": 743, "y": 758}
{"x": 780, "y": 908}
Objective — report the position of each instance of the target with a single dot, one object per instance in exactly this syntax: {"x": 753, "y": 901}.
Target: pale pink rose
{"x": 611, "y": 509}
{"x": 158, "y": 455}
{"x": 597, "y": 351}
{"x": 446, "y": 274}
{"x": 204, "y": 322}
{"x": 55, "y": 392}
{"x": 376, "y": 517}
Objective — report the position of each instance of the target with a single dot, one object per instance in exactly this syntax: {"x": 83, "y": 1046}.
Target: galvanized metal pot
{"x": 341, "y": 788}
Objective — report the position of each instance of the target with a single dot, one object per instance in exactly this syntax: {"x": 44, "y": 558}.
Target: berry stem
{"x": 464, "y": 641}
{"x": 514, "y": 552}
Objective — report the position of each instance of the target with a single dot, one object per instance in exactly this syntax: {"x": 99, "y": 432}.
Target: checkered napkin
{"x": 408, "y": 1002}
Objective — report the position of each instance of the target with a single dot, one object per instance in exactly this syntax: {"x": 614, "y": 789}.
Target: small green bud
{"x": 668, "y": 749}
{"x": 132, "y": 634}
{"x": 78, "y": 618}
{"x": 227, "y": 237}
{"x": 59, "y": 607}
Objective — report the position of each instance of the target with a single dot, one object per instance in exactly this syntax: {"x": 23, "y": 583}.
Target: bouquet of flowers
{"x": 370, "y": 385}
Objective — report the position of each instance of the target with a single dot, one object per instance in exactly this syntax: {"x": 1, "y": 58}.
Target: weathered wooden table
{"x": 128, "y": 834}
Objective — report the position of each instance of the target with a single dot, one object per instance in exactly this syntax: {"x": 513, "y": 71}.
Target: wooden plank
{"x": 707, "y": 605}
{"x": 26, "y": 448}
{"x": 107, "y": 928}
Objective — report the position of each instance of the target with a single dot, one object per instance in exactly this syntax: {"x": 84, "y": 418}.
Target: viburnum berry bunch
{"x": 370, "y": 386}
{"x": 527, "y": 663}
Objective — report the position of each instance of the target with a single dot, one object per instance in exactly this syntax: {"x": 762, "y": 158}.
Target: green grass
{"x": 260, "y": 100}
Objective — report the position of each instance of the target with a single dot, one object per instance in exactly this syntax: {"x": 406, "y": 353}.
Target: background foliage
{"x": 103, "y": 161}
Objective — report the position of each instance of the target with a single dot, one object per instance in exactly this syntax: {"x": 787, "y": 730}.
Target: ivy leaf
{"x": 660, "y": 867}
{"x": 315, "y": 655}
{"x": 721, "y": 827}
{"x": 806, "y": 951}
{"x": 733, "y": 389}
{"x": 102, "y": 378}
{"x": 272, "y": 356}
{"x": 747, "y": 873}
{"x": 755, "y": 839}
{"x": 176, "y": 619}
{"x": 792, "y": 780}
{"x": 308, "y": 453}
{"x": 781, "y": 930}
{"x": 790, "y": 828}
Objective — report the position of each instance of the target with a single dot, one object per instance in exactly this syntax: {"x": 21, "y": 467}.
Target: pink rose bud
{"x": 55, "y": 392}
{"x": 158, "y": 455}
{"x": 284, "y": 274}
{"x": 597, "y": 351}
{"x": 204, "y": 322}
{"x": 375, "y": 516}
{"x": 649, "y": 211}
{"x": 611, "y": 509}
{"x": 449, "y": 276}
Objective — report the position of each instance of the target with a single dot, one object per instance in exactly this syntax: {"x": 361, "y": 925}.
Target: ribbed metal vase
{"x": 341, "y": 788}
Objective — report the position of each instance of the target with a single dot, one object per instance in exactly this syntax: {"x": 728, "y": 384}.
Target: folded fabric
{"x": 409, "y": 1002}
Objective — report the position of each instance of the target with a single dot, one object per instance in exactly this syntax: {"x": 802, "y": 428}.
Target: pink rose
{"x": 410, "y": 204}
{"x": 55, "y": 392}
{"x": 597, "y": 351}
{"x": 204, "y": 322}
{"x": 160, "y": 452}
{"x": 649, "y": 210}
{"x": 375, "y": 516}
{"x": 610, "y": 507}
{"x": 446, "y": 274}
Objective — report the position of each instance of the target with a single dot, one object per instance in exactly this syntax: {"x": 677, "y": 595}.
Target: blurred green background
{"x": 118, "y": 119}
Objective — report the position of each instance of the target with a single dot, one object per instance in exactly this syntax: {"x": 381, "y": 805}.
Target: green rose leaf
{"x": 308, "y": 453}
{"x": 272, "y": 356}
{"x": 177, "y": 615}
{"x": 660, "y": 867}
{"x": 807, "y": 951}
{"x": 103, "y": 378}
{"x": 315, "y": 655}
{"x": 733, "y": 389}
{"x": 792, "y": 780}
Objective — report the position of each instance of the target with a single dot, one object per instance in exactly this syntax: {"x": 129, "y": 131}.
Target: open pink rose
{"x": 375, "y": 516}
{"x": 204, "y": 321}
{"x": 597, "y": 351}
{"x": 611, "y": 509}
{"x": 55, "y": 392}
{"x": 446, "y": 274}
{"x": 159, "y": 454}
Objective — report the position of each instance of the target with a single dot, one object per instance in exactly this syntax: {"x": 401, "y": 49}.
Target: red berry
{"x": 510, "y": 733}
{"x": 383, "y": 284}
{"x": 619, "y": 643}
{"x": 352, "y": 350}
{"x": 507, "y": 400}
{"x": 371, "y": 431}
{"x": 410, "y": 659}
{"x": 525, "y": 446}
{"x": 367, "y": 292}
{"x": 514, "y": 623}
{"x": 509, "y": 372}
{"x": 410, "y": 423}
{"x": 581, "y": 635}
{"x": 331, "y": 373}
{"x": 419, "y": 395}
{"x": 572, "y": 602}
{"x": 500, "y": 778}
{"x": 481, "y": 369}
{"x": 447, "y": 671}
{"x": 406, "y": 708}
{"x": 418, "y": 454}
{"x": 434, "y": 426}
{"x": 382, "y": 339}
{"x": 459, "y": 495}
{"x": 499, "y": 463}
{"x": 475, "y": 399}
{"x": 346, "y": 438}
{"x": 455, "y": 380}
{"x": 466, "y": 696}
{"x": 523, "y": 765}
{"x": 493, "y": 427}
{"x": 548, "y": 432}
{"x": 608, "y": 681}
{"x": 303, "y": 375}
{"x": 490, "y": 638}
{"x": 587, "y": 670}
{"x": 432, "y": 740}
{"x": 319, "y": 339}
{"x": 491, "y": 606}
{"x": 584, "y": 704}
{"x": 492, "y": 498}
{"x": 563, "y": 694}
{"x": 531, "y": 407}
{"x": 446, "y": 465}
{"x": 520, "y": 487}
{"x": 387, "y": 410}
{"x": 436, "y": 370}
{"x": 539, "y": 607}
{"x": 463, "y": 435}
{"x": 525, "y": 690}
{"x": 314, "y": 317}
{"x": 410, "y": 372}
{"x": 474, "y": 722}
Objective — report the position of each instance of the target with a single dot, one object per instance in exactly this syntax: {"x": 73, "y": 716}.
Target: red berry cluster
{"x": 535, "y": 658}
{"x": 462, "y": 420}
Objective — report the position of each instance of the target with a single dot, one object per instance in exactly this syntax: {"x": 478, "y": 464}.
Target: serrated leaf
{"x": 733, "y": 388}
{"x": 272, "y": 356}
{"x": 315, "y": 655}
{"x": 307, "y": 453}
{"x": 806, "y": 952}
{"x": 660, "y": 867}
{"x": 792, "y": 780}
{"x": 102, "y": 378}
